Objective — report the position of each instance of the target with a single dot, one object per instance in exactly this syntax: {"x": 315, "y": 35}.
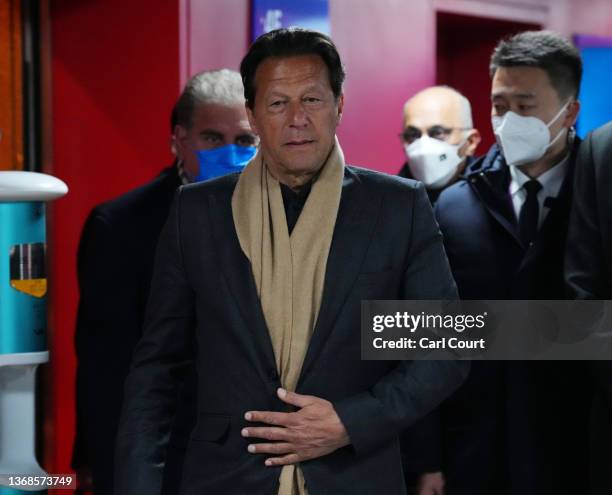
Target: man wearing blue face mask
{"x": 224, "y": 160}
{"x": 516, "y": 427}
{"x": 211, "y": 136}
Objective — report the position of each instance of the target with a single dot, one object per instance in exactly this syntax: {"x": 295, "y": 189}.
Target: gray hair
{"x": 223, "y": 86}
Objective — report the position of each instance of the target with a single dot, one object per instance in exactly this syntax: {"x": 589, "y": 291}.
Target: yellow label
{"x": 36, "y": 287}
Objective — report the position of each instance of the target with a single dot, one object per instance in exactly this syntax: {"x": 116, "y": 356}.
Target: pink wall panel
{"x": 388, "y": 48}
{"x": 591, "y": 17}
{"x": 215, "y": 34}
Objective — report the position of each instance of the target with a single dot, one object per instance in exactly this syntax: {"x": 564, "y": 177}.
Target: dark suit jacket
{"x": 589, "y": 276}
{"x": 424, "y": 435}
{"x": 386, "y": 245}
{"x": 480, "y": 230}
{"x": 513, "y": 427}
{"x": 115, "y": 262}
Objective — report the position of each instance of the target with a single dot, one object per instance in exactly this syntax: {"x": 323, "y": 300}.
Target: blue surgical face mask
{"x": 223, "y": 160}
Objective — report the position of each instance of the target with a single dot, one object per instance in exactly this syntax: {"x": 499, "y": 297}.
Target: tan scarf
{"x": 289, "y": 271}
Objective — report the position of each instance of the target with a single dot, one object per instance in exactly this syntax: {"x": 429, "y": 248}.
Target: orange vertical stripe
{"x": 11, "y": 94}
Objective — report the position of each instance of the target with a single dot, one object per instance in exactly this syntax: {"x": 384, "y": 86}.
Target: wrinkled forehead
{"x": 425, "y": 112}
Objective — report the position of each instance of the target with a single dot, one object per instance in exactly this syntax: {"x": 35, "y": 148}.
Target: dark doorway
{"x": 464, "y": 46}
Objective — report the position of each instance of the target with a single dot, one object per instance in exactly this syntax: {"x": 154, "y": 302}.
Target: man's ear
{"x": 572, "y": 114}
{"x": 251, "y": 117}
{"x": 340, "y": 106}
{"x": 179, "y": 141}
{"x": 471, "y": 143}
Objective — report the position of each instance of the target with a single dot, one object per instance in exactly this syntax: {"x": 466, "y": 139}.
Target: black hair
{"x": 289, "y": 43}
{"x": 546, "y": 50}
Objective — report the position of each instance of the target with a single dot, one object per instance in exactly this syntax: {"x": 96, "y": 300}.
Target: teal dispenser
{"x": 23, "y": 320}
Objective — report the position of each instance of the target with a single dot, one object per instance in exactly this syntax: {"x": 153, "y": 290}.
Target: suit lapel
{"x": 492, "y": 189}
{"x": 357, "y": 215}
{"x": 236, "y": 269}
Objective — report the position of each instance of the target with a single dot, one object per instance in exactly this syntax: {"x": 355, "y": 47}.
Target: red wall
{"x": 115, "y": 76}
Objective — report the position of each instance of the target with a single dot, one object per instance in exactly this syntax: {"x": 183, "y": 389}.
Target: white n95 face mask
{"x": 432, "y": 161}
{"x": 524, "y": 139}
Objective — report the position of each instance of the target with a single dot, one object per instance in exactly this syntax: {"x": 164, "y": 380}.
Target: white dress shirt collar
{"x": 551, "y": 182}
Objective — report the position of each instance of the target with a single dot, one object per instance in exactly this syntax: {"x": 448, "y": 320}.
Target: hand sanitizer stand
{"x": 23, "y": 318}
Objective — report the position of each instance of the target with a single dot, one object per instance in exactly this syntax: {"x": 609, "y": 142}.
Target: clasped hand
{"x": 314, "y": 430}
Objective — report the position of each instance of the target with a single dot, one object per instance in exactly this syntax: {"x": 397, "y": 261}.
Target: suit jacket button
{"x": 272, "y": 374}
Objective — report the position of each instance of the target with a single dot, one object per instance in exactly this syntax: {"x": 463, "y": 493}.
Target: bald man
{"x": 438, "y": 138}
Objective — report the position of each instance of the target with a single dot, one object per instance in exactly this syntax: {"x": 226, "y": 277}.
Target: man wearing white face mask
{"x": 517, "y": 428}
{"x": 439, "y": 138}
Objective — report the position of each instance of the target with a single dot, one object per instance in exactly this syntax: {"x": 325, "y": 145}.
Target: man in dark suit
{"x": 517, "y": 427}
{"x": 439, "y": 138}
{"x": 115, "y": 262}
{"x": 259, "y": 278}
{"x": 589, "y": 276}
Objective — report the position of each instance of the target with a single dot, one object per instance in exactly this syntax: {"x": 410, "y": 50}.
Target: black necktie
{"x": 530, "y": 212}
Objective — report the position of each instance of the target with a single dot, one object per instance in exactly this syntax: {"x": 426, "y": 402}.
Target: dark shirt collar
{"x": 300, "y": 194}
{"x": 294, "y": 202}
